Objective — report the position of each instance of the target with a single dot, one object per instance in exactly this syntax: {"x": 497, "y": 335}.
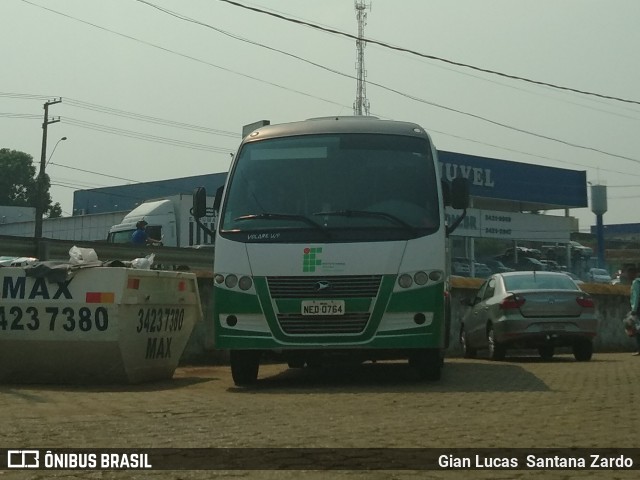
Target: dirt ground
{"x": 520, "y": 403}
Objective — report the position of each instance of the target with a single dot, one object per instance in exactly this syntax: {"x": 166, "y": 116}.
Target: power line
{"x": 21, "y": 115}
{"x": 188, "y": 57}
{"x": 144, "y": 136}
{"x": 141, "y": 136}
{"x": 76, "y": 186}
{"x": 24, "y": 96}
{"x": 411, "y": 97}
{"x": 148, "y": 118}
{"x": 531, "y": 154}
{"x": 120, "y": 194}
{"x": 95, "y": 173}
{"x": 120, "y": 113}
{"x": 423, "y": 55}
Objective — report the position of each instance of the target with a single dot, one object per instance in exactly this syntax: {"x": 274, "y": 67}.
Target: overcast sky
{"x": 149, "y": 94}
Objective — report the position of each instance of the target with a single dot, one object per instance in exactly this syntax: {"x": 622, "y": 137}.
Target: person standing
{"x": 632, "y": 276}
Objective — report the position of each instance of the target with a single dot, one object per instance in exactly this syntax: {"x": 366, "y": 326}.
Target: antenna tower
{"x": 361, "y": 105}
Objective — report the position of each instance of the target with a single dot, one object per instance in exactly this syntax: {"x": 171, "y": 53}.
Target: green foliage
{"x": 19, "y": 184}
{"x": 54, "y": 210}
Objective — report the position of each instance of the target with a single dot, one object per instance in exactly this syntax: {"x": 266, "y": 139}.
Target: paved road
{"x": 522, "y": 402}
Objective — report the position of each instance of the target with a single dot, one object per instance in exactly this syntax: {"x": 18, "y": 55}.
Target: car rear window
{"x": 534, "y": 282}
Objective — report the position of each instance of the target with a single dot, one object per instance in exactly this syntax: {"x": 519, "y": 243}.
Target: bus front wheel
{"x": 244, "y": 366}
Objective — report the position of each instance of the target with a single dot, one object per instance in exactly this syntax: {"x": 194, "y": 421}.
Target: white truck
{"x": 78, "y": 227}
{"x": 169, "y": 220}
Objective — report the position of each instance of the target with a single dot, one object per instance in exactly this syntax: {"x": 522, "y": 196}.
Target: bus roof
{"x": 345, "y": 124}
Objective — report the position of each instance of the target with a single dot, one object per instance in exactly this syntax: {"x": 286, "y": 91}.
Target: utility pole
{"x": 361, "y": 105}
{"x": 43, "y": 163}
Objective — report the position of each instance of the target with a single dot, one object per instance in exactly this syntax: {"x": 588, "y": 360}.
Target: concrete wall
{"x": 612, "y": 304}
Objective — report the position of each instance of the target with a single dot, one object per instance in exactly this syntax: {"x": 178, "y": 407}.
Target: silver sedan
{"x": 542, "y": 310}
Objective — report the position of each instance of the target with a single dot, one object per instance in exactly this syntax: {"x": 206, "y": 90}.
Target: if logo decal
{"x": 311, "y": 259}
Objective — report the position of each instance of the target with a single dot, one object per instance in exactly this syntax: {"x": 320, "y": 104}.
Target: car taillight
{"x": 585, "y": 302}
{"x": 512, "y": 302}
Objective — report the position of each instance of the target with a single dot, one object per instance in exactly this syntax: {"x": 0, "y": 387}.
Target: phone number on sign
{"x": 54, "y": 318}
{"x": 160, "y": 320}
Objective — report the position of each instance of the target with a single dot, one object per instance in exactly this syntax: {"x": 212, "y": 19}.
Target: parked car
{"x": 461, "y": 269}
{"x": 598, "y": 275}
{"x": 577, "y": 249}
{"x": 551, "y": 265}
{"x": 496, "y": 265}
{"x": 574, "y": 277}
{"x": 526, "y": 263}
{"x": 461, "y": 266}
{"x": 560, "y": 250}
{"x": 523, "y": 252}
{"x": 481, "y": 270}
{"x": 542, "y": 310}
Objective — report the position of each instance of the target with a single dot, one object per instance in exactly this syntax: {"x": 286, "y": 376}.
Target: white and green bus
{"x": 331, "y": 241}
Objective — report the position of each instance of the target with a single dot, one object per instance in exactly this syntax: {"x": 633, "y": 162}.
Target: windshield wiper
{"x": 281, "y": 216}
{"x": 367, "y": 213}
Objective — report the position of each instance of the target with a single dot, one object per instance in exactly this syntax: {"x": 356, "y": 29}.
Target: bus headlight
{"x": 245, "y": 283}
{"x": 421, "y": 278}
{"x": 436, "y": 275}
{"x": 231, "y": 281}
{"x": 405, "y": 280}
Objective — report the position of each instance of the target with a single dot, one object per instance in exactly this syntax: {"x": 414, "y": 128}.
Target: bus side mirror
{"x": 459, "y": 195}
{"x": 199, "y": 209}
{"x": 218, "y": 199}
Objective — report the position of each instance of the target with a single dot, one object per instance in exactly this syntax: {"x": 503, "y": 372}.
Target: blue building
{"x": 495, "y": 185}
{"x": 620, "y": 231}
{"x": 127, "y": 197}
{"x": 513, "y": 186}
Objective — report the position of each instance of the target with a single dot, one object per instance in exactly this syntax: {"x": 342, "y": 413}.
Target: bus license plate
{"x": 323, "y": 307}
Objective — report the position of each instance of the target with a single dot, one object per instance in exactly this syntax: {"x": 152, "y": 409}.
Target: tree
{"x": 19, "y": 184}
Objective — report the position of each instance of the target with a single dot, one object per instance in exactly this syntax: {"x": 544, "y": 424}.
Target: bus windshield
{"x": 332, "y": 187}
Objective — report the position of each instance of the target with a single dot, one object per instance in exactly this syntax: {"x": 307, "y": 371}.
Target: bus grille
{"x": 350, "y": 286}
{"x": 343, "y": 287}
{"x": 297, "y": 324}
